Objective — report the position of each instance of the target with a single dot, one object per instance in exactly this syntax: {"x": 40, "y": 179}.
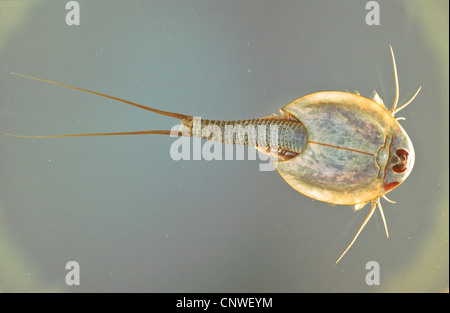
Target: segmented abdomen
{"x": 283, "y": 136}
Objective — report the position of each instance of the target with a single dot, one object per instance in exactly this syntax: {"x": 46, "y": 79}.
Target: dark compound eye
{"x": 402, "y": 159}
{"x": 399, "y": 168}
{"x": 402, "y": 154}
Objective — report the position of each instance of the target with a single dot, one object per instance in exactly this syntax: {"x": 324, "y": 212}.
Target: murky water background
{"x": 135, "y": 220}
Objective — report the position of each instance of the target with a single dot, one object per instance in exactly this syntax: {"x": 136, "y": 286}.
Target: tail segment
{"x": 147, "y": 132}
{"x": 144, "y": 132}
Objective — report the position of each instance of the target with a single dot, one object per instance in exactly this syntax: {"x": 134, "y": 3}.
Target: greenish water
{"x": 136, "y": 220}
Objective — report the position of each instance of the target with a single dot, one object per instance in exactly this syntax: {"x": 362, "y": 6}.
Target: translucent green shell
{"x": 351, "y": 140}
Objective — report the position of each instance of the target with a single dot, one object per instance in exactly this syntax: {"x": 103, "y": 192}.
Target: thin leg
{"x": 372, "y": 209}
{"x": 396, "y": 81}
{"x": 404, "y": 106}
{"x": 387, "y": 199}
{"x": 384, "y": 220}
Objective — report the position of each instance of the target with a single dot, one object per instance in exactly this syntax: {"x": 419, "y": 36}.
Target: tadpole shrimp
{"x": 333, "y": 146}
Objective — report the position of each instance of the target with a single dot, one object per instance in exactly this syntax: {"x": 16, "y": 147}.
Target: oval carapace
{"x": 356, "y": 151}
